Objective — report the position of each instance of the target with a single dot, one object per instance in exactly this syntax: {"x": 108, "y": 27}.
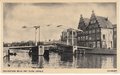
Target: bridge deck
{"x": 82, "y": 47}
{"x": 30, "y": 47}
{"x": 22, "y": 47}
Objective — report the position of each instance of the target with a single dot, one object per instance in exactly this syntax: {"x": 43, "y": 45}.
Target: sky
{"x": 17, "y": 15}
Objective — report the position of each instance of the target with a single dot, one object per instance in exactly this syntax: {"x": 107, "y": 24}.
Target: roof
{"x": 104, "y": 22}
{"x": 114, "y": 26}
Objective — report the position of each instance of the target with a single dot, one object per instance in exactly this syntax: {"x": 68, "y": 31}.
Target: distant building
{"x": 97, "y": 32}
{"x": 69, "y": 37}
{"x": 6, "y": 44}
{"x": 114, "y": 36}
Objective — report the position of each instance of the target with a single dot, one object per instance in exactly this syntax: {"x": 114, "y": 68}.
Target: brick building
{"x": 97, "y": 32}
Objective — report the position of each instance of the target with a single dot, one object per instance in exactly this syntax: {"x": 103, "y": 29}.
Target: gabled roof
{"x": 85, "y": 23}
{"x": 86, "y": 20}
{"x": 104, "y": 22}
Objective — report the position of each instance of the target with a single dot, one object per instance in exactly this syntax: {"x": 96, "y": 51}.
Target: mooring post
{"x": 8, "y": 55}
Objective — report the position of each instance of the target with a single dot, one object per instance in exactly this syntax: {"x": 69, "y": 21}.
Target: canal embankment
{"x": 101, "y": 51}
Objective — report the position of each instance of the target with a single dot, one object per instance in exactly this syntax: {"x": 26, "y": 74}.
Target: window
{"x": 86, "y": 32}
{"x": 94, "y": 21}
{"x": 90, "y": 32}
{"x": 98, "y": 30}
{"x": 111, "y": 43}
{"x": 93, "y": 37}
{"x": 93, "y": 31}
{"x": 78, "y": 38}
{"x": 83, "y": 37}
{"x": 98, "y": 36}
{"x": 103, "y": 36}
{"x": 91, "y": 22}
{"x": 98, "y": 44}
{"x": 90, "y": 38}
{"x": 86, "y": 37}
{"x": 73, "y": 33}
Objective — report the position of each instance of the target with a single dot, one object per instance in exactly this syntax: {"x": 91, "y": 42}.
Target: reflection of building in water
{"x": 95, "y": 61}
{"x": 69, "y": 37}
{"x": 88, "y": 61}
{"x": 67, "y": 60}
{"x": 39, "y": 61}
{"x": 108, "y": 62}
{"x": 54, "y": 61}
{"x": 97, "y": 32}
{"x": 66, "y": 57}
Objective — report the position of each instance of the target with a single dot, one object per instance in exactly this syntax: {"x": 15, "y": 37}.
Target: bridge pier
{"x": 41, "y": 50}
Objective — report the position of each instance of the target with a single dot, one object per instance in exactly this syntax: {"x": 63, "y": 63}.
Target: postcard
{"x": 67, "y": 36}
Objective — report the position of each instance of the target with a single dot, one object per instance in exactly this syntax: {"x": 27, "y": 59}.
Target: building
{"x": 69, "y": 37}
{"x": 97, "y": 32}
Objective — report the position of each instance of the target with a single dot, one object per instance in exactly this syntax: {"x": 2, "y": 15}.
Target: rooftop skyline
{"x": 17, "y": 15}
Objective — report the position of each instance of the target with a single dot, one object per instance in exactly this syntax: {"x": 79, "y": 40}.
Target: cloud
{"x": 66, "y": 14}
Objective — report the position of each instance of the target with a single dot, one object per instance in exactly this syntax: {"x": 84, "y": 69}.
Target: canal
{"x": 55, "y": 60}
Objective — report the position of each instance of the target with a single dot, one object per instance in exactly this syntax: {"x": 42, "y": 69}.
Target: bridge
{"x": 44, "y": 49}
{"x": 22, "y": 47}
{"x": 36, "y": 50}
{"x": 73, "y": 49}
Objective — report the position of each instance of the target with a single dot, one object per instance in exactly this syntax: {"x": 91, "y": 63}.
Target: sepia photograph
{"x": 60, "y": 35}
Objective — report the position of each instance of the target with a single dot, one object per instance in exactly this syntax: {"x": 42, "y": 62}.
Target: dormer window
{"x": 103, "y": 36}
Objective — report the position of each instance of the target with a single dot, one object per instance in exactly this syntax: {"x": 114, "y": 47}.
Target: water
{"x": 55, "y": 60}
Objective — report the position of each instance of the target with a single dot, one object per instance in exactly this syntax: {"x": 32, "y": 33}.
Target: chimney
{"x": 106, "y": 18}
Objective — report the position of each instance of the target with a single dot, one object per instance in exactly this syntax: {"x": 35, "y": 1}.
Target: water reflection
{"x": 77, "y": 61}
{"x": 38, "y": 61}
{"x": 88, "y": 61}
{"x": 55, "y": 60}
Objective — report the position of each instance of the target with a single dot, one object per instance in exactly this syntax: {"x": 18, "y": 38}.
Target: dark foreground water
{"x": 55, "y": 60}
